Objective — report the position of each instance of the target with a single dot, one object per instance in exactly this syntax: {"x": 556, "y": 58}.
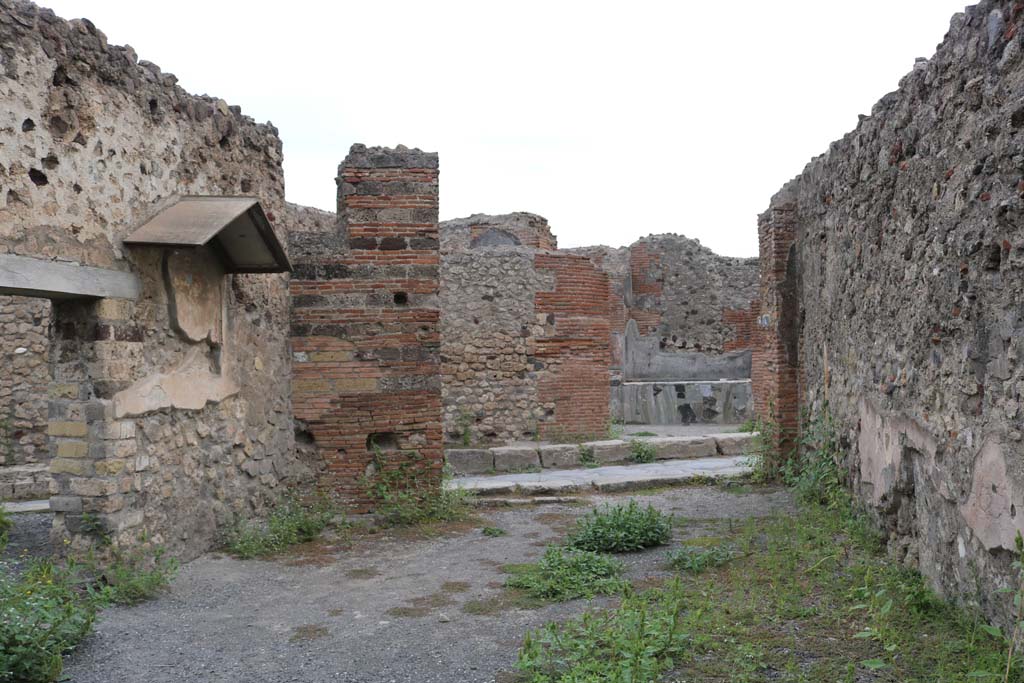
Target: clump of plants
{"x": 6, "y": 524}
{"x": 695, "y": 560}
{"x": 587, "y": 458}
{"x": 131, "y": 578}
{"x": 566, "y": 574}
{"x": 621, "y": 528}
{"x": 813, "y": 471}
{"x": 404, "y": 492}
{"x": 43, "y": 615}
{"x": 638, "y": 641}
{"x": 493, "y": 531}
{"x": 50, "y": 607}
{"x": 641, "y": 451}
{"x": 289, "y": 523}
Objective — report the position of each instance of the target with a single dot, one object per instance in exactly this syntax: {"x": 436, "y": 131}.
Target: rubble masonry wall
{"x": 893, "y": 291}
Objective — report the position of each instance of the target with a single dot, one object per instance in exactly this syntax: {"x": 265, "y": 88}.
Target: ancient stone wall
{"x": 681, "y": 294}
{"x": 512, "y": 310}
{"x": 899, "y": 304}
{"x": 364, "y": 323}
{"x": 160, "y": 434}
{"x": 24, "y": 387}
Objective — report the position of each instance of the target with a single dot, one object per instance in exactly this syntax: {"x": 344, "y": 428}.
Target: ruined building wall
{"x": 24, "y": 387}
{"x": 895, "y": 295}
{"x": 364, "y": 323}
{"x": 681, "y": 318}
{"x": 681, "y": 295}
{"x": 512, "y": 310}
{"x": 161, "y": 434}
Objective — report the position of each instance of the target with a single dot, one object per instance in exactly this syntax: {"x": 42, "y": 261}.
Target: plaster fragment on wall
{"x": 993, "y": 505}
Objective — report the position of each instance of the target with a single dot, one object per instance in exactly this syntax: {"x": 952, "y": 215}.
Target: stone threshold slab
{"x": 27, "y": 506}
{"x": 609, "y": 478}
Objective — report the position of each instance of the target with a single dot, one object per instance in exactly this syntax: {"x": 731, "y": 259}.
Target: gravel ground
{"x": 387, "y": 608}
{"x": 30, "y": 538}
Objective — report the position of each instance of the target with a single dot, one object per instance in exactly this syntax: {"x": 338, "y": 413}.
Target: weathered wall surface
{"x": 92, "y": 143}
{"x": 511, "y": 311}
{"x": 364, "y": 322}
{"x": 905, "y": 277}
{"x": 518, "y": 229}
{"x": 24, "y": 387}
{"x": 681, "y": 295}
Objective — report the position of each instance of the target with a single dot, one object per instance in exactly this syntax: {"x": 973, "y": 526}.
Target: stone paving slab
{"x": 610, "y": 478}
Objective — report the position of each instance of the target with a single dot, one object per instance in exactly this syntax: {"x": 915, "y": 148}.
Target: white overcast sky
{"x": 613, "y": 120}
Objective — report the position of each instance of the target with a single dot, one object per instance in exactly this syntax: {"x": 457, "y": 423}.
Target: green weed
{"x": 6, "y": 524}
{"x": 289, "y": 523}
{"x": 587, "y": 458}
{"x": 493, "y": 531}
{"x": 641, "y": 451}
{"x": 636, "y": 642}
{"x": 813, "y": 471}
{"x": 51, "y": 607}
{"x": 133, "y": 577}
{"x": 405, "y": 493}
{"x": 566, "y": 574}
{"x": 621, "y": 528}
{"x": 696, "y": 560}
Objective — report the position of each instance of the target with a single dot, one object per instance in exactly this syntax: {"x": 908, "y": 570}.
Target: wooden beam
{"x": 27, "y": 276}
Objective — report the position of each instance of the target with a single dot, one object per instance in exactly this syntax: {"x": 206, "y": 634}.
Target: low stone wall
{"x": 526, "y": 458}
{"x": 892, "y": 293}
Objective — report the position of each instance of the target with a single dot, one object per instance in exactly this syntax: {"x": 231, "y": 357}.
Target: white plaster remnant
{"x": 190, "y": 386}
{"x": 195, "y": 280}
{"x": 992, "y": 506}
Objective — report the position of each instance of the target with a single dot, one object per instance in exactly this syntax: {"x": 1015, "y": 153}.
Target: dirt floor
{"x": 394, "y": 607}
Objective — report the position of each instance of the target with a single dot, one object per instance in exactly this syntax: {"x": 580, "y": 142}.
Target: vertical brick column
{"x": 775, "y": 361}
{"x": 646, "y": 288}
{"x": 95, "y": 349}
{"x": 365, "y": 335}
{"x": 574, "y": 349}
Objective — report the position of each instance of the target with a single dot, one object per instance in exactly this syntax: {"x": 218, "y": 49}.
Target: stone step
{"x": 525, "y": 458}
{"x": 24, "y": 482}
{"x": 607, "y": 478}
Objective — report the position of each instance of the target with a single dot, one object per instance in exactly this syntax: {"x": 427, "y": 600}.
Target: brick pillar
{"x": 95, "y": 347}
{"x": 365, "y": 335}
{"x": 775, "y": 361}
{"x": 574, "y": 347}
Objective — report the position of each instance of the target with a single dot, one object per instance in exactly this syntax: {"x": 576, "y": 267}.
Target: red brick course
{"x": 775, "y": 368}
{"x": 365, "y": 333}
